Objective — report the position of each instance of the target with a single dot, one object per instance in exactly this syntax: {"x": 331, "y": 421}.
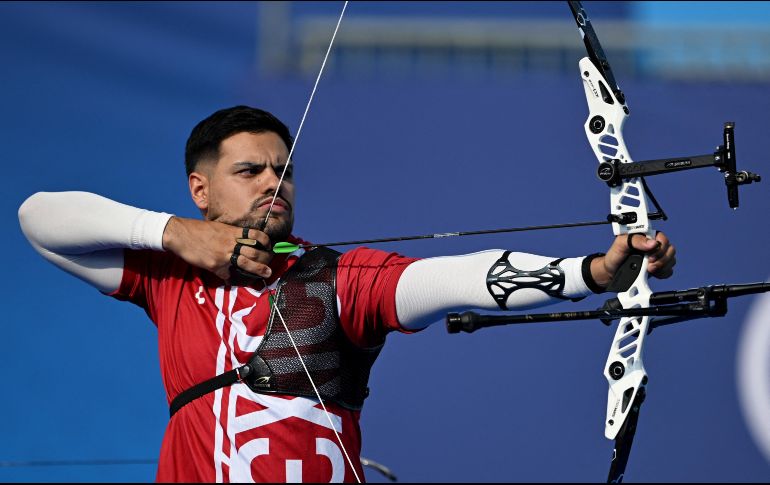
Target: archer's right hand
{"x": 209, "y": 245}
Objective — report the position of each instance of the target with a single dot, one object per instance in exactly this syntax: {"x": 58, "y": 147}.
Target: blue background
{"x": 101, "y": 98}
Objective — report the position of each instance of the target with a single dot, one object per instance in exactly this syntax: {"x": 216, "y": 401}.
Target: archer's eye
{"x": 250, "y": 170}
{"x": 289, "y": 171}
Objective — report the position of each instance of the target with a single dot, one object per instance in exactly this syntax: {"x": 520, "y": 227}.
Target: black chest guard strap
{"x": 211, "y": 385}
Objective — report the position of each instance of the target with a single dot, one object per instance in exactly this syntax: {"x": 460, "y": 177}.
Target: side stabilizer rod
{"x": 707, "y": 301}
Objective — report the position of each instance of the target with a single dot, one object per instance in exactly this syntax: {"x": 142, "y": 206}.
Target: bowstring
{"x": 267, "y": 217}
{"x": 304, "y": 115}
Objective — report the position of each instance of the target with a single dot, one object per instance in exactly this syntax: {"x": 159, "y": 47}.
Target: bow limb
{"x": 624, "y": 369}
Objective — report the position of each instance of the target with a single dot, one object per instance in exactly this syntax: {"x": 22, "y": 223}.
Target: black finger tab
{"x": 247, "y": 241}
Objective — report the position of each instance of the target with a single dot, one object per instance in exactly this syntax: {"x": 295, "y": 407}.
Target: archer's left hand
{"x": 661, "y": 257}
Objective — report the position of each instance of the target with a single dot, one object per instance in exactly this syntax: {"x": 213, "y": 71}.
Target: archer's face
{"x": 240, "y": 186}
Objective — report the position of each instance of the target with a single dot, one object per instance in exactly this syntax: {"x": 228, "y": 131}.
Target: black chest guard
{"x": 307, "y": 300}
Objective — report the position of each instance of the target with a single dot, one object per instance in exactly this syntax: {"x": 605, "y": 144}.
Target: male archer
{"x": 265, "y": 357}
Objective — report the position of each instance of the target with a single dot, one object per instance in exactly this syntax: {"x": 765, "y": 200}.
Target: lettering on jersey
{"x": 243, "y": 416}
{"x": 261, "y": 447}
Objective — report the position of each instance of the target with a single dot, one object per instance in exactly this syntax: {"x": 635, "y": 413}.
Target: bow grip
{"x": 627, "y": 273}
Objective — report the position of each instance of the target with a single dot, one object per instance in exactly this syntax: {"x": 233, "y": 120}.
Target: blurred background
{"x": 430, "y": 117}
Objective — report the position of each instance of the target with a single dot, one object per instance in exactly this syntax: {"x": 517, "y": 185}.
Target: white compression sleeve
{"x": 85, "y": 234}
{"x": 428, "y": 288}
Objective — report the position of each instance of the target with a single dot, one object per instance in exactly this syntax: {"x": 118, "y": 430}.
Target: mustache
{"x": 268, "y": 199}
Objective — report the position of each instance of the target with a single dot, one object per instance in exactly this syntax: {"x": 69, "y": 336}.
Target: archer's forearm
{"x": 490, "y": 280}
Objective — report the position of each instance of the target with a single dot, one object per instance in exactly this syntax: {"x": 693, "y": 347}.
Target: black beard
{"x": 277, "y": 230}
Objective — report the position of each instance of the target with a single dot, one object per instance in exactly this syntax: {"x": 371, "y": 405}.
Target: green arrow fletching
{"x": 284, "y": 248}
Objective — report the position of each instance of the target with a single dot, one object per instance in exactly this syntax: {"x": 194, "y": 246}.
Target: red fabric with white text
{"x": 206, "y": 327}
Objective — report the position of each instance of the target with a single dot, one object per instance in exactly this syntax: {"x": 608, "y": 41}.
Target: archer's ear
{"x": 199, "y": 190}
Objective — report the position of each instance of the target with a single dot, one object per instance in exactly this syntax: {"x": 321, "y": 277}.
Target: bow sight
{"x": 613, "y": 172}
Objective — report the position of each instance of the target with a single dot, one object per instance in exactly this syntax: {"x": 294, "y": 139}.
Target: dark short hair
{"x": 207, "y": 135}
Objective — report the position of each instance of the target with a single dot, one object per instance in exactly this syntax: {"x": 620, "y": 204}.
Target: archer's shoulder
{"x": 365, "y": 257}
{"x": 150, "y": 263}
